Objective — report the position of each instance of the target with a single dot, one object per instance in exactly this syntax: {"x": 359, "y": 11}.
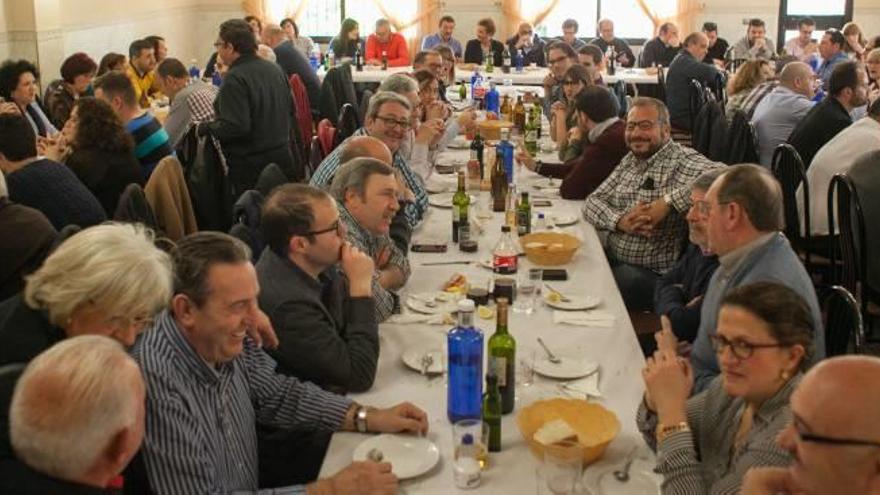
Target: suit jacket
{"x": 292, "y": 61}
{"x": 821, "y": 123}
{"x": 167, "y": 194}
{"x": 473, "y": 52}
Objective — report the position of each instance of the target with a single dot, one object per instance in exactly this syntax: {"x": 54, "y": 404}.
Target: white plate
{"x": 459, "y": 143}
{"x": 547, "y": 183}
{"x": 435, "y": 187}
{"x": 409, "y": 455}
{"x": 563, "y": 219}
{"x": 412, "y": 357}
{"x": 444, "y": 200}
{"x": 642, "y": 479}
{"x": 574, "y": 303}
{"x": 568, "y": 368}
{"x": 444, "y": 302}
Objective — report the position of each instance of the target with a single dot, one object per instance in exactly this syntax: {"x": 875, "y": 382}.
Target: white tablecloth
{"x": 513, "y": 470}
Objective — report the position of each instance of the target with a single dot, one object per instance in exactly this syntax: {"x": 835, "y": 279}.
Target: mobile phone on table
{"x": 554, "y": 274}
{"x": 428, "y": 248}
{"x": 542, "y": 203}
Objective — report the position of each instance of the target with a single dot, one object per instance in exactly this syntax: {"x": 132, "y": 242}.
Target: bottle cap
{"x": 505, "y": 228}
{"x": 467, "y": 439}
{"x": 466, "y": 305}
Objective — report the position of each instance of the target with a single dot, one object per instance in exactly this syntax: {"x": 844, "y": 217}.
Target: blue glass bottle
{"x": 505, "y": 150}
{"x": 493, "y": 99}
{"x": 216, "y": 79}
{"x": 465, "y": 360}
{"x": 194, "y": 72}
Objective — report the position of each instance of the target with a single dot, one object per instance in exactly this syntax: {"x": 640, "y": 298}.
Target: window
{"x": 321, "y": 19}
{"x": 629, "y": 19}
{"x": 826, "y": 13}
{"x": 551, "y": 27}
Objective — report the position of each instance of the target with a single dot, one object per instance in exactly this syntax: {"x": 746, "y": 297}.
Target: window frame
{"x": 823, "y": 22}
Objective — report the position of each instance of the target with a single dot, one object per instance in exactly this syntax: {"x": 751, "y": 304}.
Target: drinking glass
{"x": 470, "y": 440}
{"x": 561, "y": 470}
{"x": 525, "y": 368}
{"x": 528, "y": 289}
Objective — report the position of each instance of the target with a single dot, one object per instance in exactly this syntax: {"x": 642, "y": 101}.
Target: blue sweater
{"x": 772, "y": 261}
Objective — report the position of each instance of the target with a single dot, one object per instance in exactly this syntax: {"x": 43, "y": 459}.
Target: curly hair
{"x": 98, "y": 127}
{"x": 749, "y": 75}
{"x": 10, "y": 73}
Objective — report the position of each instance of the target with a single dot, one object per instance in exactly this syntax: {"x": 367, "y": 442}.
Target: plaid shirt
{"x": 671, "y": 170}
{"x": 323, "y": 176}
{"x": 370, "y": 244}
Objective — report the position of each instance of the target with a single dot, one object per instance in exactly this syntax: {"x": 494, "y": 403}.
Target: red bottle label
{"x": 504, "y": 264}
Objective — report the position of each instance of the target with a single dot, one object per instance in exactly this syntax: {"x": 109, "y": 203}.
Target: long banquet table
{"x": 513, "y": 470}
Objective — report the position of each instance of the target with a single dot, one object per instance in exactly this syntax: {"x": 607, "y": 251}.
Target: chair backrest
{"x": 788, "y": 168}
{"x": 843, "y": 322}
{"x": 326, "y": 136}
{"x": 661, "y": 84}
{"x": 246, "y": 221}
{"x": 742, "y": 143}
{"x": 366, "y": 96}
{"x": 850, "y": 218}
{"x": 703, "y": 124}
{"x": 348, "y": 123}
{"x": 271, "y": 177}
{"x": 302, "y": 108}
{"x": 133, "y": 207}
{"x": 316, "y": 156}
{"x": 867, "y": 182}
{"x": 719, "y": 88}
{"x": 696, "y": 100}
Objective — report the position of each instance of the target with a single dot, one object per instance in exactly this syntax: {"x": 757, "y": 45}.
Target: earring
{"x": 784, "y": 375}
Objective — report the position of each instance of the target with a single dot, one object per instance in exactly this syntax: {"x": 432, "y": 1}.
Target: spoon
{"x": 622, "y": 475}
{"x": 562, "y": 296}
{"x": 552, "y": 357}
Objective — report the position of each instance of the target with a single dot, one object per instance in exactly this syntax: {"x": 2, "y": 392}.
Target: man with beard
{"x": 641, "y": 205}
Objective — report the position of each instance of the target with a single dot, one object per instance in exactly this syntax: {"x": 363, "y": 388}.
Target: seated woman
{"x": 115, "y": 61}
{"x": 564, "y": 130}
{"x": 18, "y": 87}
{"x": 872, "y": 64}
{"x": 304, "y": 44}
{"x": 747, "y": 77}
{"x": 429, "y": 96}
{"x": 101, "y": 152}
{"x": 476, "y": 50}
{"x": 347, "y": 42}
{"x": 448, "y": 78}
{"x": 77, "y": 73}
{"x": 856, "y": 44}
{"x": 706, "y": 443}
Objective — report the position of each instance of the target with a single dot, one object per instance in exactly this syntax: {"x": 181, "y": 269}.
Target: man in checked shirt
{"x": 641, "y": 206}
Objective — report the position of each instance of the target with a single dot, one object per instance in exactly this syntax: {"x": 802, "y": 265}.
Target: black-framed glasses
{"x": 645, "y": 125}
{"x": 392, "y": 122}
{"x": 809, "y": 437}
{"x": 335, "y": 227}
{"x": 740, "y": 348}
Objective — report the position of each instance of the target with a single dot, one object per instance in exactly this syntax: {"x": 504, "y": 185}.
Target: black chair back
{"x": 316, "y": 156}
{"x": 844, "y": 330}
{"x": 742, "y": 142}
{"x": 348, "y": 123}
{"x": 661, "y": 83}
{"x": 696, "y": 101}
{"x": 702, "y": 128}
{"x": 271, "y": 177}
{"x": 842, "y": 194}
{"x": 788, "y": 168}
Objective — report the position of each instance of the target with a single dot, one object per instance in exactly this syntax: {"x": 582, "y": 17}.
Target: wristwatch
{"x": 667, "y": 198}
{"x": 665, "y": 431}
{"x": 360, "y": 419}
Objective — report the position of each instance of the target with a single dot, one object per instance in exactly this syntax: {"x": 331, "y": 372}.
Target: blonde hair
{"x": 749, "y": 75}
{"x": 113, "y": 266}
{"x": 849, "y": 29}
{"x": 70, "y": 402}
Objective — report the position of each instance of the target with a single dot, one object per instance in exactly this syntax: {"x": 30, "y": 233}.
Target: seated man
{"x": 687, "y": 66}
{"x": 198, "y": 353}
{"x": 717, "y": 46}
{"x": 641, "y": 205}
{"x": 834, "y": 436}
{"x": 560, "y": 57}
{"x": 293, "y": 61}
{"x": 385, "y": 44}
{"x": 529, "y": 44}
{"x": 388, "y": 119}
{"x": 443, "y": 36}
{"x": 151, "y": 142}
{"x": 602, "y": 131}
{"x": 838, "y": 156}
{"x": 847, "y": 89}
{"x": 366, "y": 193}
{"x": 755, "y": 44}
{"x": 678, "y": 294}
{"x": 831, "y": 50}
{"x": 778, "y": 113}
{"x": 431, "y": 60}
{"x": 606, "y": 38}
{"x": 803, "y": 47}
{"x": 40, "y": 183}
{"x": 60, "y": 444}
{"x": 591, "y": 57}
{"x": 744, "y": 220}
{"x": 661, "y": 50}
{"x": 569, "y": 34}
{"x": 316, "y": 289}
{"x": 141, "y": 63}
{"x": 191, "y": 101}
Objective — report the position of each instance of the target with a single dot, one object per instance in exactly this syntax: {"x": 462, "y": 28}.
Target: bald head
{"x": 365, "y": 147}
{"x": 851, "y": 382}
{"x": 273, "y": 35}
{"x": 798, "y": 77}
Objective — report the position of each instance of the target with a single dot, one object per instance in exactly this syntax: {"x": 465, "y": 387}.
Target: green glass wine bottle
{"x": 502, "y": 357}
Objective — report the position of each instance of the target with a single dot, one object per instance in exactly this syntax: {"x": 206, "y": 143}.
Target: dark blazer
{"x": 818, "y": 126}
{"x": 27, "y": 238}
{"x": 106, "y": 173}
{"x": 683, "y": 70}
{"x": 534, "y": 55}
{"x": 656, "y": 52}
{"x": 621, "y": 47}
{"x": 292, "y": 61}
{"x": 326, "y": 336}
{"x": 685, "y": 281}
{"x": 582, "y": 175}
{"x": 473, "y": 52}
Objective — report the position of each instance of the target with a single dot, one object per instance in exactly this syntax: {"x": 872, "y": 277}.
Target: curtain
{"x": 513, "y": 15}
{"x": 429, "y": 12}
{"x": 255, "y": 8}
{"x": 685, "y": 15}
{"x": 261, "y": 10}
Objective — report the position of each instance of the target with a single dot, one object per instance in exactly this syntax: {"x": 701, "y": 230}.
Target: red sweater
{"x": 582, "y": 175}
{"x": 398, "y": 54}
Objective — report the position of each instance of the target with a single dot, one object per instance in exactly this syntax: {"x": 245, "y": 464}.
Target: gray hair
{"x": 758, "y": 193}
{"x": 705, "y": 180}
{"x": 384, "y": 97}
{"x": 70, "y": 403}
{"x": 354, "y": 175}
{"x": 659, "y": 106}
{"x": 114, "y": 266}
{"x": 399, "y": 83}
{"x": 382, "y": 22}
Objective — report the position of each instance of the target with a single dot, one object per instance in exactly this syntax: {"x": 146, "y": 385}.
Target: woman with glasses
{"x": 706, "y": 443}
{"x": 564, "y": 130}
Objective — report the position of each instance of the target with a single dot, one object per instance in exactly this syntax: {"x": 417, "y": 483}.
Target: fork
{"x": 427, "y": 361}
{"x": 562, "y": 297}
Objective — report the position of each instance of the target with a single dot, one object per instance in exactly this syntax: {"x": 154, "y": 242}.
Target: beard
{"x": 652, "y": 148}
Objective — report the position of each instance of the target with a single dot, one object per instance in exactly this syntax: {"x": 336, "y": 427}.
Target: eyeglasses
{"x": 335, "y": 227}
{"x": 124, "y": 322}
{"x": 557, "y": 60}
{"x": 740, "y": 348}
{"x": 814, "y": 438}
{"x": 644, "y": 125}
{"x": 392, "y": 122}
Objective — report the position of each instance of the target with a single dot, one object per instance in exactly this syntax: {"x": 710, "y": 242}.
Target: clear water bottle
{"x": 541, "y": 223}
{"x": 465, "y": 360}
{"x": 194, "y": 72}
{"x": 331, "y": 58}
{"x": 315, "y": 57}
{"x": 493, "y": 99}
{"x": 518, "y": 55}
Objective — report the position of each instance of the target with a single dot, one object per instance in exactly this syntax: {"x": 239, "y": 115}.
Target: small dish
{"x": 409, "y": 456}
{"x": 568, "y": 367}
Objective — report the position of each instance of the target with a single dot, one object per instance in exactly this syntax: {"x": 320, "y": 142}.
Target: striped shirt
{"x": 201, "y": 420}
{"x": 151, "y": 142}
{"x": 323, "y": 176}
{"x": 671, "y": 170}
{"x": 384, "y": 299}
{"x": 705, "y": 459}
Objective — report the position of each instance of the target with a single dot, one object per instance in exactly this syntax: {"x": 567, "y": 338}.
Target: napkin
{"x": 409, "y": 318}
{"x": 585, "y": 386}
{"x": 589, "y": 318}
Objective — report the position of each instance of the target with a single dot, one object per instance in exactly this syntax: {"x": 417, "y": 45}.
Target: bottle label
{"x": 498, "y": 365}
{"x": 464, "y": 231}
{"x": 523, "y": 222}
{"x": 504, "y": 264}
